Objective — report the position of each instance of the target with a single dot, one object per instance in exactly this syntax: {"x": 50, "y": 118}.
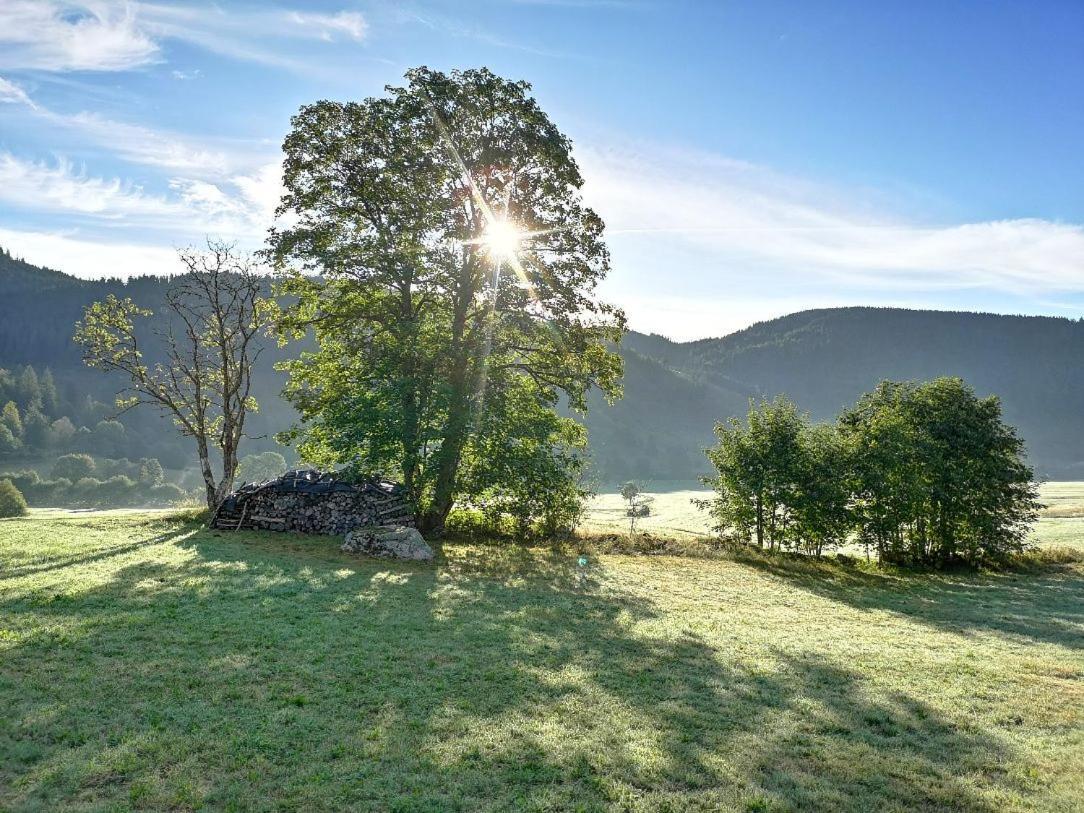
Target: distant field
{"x": 673, "y": 513}
{"x": 147, "y": 663}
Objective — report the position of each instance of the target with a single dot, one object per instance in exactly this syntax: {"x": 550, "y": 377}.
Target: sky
{"x": 750, "y": 159}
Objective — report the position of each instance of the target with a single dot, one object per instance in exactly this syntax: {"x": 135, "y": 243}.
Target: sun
{"x": 502, "y": 239}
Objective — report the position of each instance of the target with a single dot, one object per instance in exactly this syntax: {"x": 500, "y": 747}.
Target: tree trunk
{"x": 459, "y": 414}
{"x": 208, "y": 476}
{"x": 760, "y": 522}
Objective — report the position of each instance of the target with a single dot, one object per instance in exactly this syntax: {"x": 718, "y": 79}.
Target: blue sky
{"x": 749, "y": 158}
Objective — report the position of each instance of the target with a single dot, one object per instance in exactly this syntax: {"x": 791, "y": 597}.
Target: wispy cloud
{"x": 11, "y": 93}
{"x": 56, "y": 36}
{"x": 136, "y": 143}
{"x": 747, "y": 217}
{"x": 116, "y": 35}
{"x": 239, "y": 207}
{"x": 328, "y": 26}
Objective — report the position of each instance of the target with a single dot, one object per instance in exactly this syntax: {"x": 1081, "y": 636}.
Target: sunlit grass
{"x": 148, "y": 663}
{"x": 673, "y": 514}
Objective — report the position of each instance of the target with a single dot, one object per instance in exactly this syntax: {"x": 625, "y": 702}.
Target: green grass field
{"x": 146, "y": 663}
{"x": 674, "y": 515}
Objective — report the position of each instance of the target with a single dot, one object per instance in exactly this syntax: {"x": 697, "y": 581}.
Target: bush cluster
{"x": 927, "y": 475}
{"x": 12, "y": 502}
{"x": 77, "y": 481}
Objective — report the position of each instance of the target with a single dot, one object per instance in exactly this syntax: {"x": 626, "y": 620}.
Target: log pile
{"x": 314, "y": 502}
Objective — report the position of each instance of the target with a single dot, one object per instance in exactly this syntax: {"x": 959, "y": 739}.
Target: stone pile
{"x": 316, "y": 503}
{"x": 396, "y": 541}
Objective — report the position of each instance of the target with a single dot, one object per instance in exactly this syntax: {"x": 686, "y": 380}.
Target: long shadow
{"x": 97, "y": 556}
{"x": 1045, "y": 606}
{"x": 282, "y": 674}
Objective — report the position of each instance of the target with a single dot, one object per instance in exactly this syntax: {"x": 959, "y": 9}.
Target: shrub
{"x": 12, "y": 502}
{"x": 73, "y": 466}
{"x": 255, "y": 468}
{"x": 167, "y": 494}
{"x": 9, "y": 444}
{"x": 150, "y": 472}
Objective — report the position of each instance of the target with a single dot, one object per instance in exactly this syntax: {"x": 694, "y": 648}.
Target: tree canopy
{"x": 442, "y": 256}
{"x": 925, "y": 474}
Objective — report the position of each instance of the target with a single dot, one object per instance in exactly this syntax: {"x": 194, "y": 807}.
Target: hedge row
{"x": 118, "y": 491}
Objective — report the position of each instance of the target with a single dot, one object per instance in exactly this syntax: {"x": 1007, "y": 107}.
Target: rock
{"x": 397, "y": 541}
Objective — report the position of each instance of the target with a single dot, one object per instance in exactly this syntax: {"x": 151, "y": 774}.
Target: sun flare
{"x": 502, "y": 239}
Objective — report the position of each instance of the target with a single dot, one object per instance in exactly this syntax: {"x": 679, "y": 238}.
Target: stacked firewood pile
{"x": 314, "y": 502}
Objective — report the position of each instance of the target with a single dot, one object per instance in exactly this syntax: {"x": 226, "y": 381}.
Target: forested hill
{"x": 674, "y": 392}
{"x": 824, "y": 359}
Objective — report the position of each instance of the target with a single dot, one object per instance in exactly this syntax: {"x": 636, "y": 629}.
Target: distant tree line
{"x": 78, "y": 481}
{"x": 925, "y": 475}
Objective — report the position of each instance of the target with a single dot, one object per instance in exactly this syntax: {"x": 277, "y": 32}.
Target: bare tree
{"x": 208, "y": 328}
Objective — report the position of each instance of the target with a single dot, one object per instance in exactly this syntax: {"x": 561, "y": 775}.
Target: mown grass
{"x": 674, "y": 516}
{"x": 147, "y": 663}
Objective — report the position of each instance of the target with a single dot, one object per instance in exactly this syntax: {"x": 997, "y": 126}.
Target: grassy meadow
{"x": 673, "y": 514}
{"x": 148, "y": 663}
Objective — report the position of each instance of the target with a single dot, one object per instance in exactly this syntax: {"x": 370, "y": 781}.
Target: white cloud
{"x": 751, "y": 218}
{"x": 71, "y": 36}
{"x": 118, "y": 35}
{"x": 237, "y": 208}
{"x": 11, "y": 93}
{"x": 327, "y": 26}
{"x": 143, "y": 145}
{"x": 72, "y": 254}
{"x": 62, "y": 187}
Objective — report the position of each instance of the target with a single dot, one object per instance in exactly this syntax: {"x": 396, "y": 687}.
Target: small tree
{"x": 213, "y": 313}
{"x": 151, "y": 472}
{"x": 255, "y": 468}
{"x": 9, "y": 444}
{"x": 757, "y": 465}
{"x": 12, "y": 419}
{"x": 73, "y": 466}
{"x": 638, "y": 503}
{"x": 12, "y": 502}
{"x": 940, "y": 478}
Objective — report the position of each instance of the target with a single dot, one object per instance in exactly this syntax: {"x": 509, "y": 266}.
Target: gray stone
{"x": 396, "y": 541}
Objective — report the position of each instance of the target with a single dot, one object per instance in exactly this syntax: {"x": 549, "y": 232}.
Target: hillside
{"x": 673, "y": 392}
{"x": 824, "y": 359}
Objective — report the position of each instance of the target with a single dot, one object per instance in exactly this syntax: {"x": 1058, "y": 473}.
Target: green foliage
{"x": 150, "y": 472}
{"x": 925, "y": 474}
{"x": 73, "y": 466}
{"x": 255, "y": 468}
{"x": 12, "y": 502}
{"x": 12, "y": 419}
{"x": 9, "y": 443}
{"x": 423, "y": 336}
{"x": 29, "y": 388}
{"x": 61, "y": 432}
{"x": 523, "y": 468}
{"x": 940, "y": 478}
{"x": 37, "y": 430}
{"x": 759, "y": 469}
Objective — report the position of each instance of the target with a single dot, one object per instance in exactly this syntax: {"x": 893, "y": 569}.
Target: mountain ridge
{"x": 822, "y": 358}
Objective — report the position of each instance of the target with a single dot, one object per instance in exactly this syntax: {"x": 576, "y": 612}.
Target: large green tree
{"x": 940, "y": 477}
{"x": 443, "y": 257}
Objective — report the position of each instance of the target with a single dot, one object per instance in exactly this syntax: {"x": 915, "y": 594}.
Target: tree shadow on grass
{"x": 266, "y": 672}
{"x": 111, "y": 552}
{"x": 1045, "y": 606}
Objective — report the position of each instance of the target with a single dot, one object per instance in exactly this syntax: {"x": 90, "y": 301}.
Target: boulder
{"x": 396, "y": 541}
